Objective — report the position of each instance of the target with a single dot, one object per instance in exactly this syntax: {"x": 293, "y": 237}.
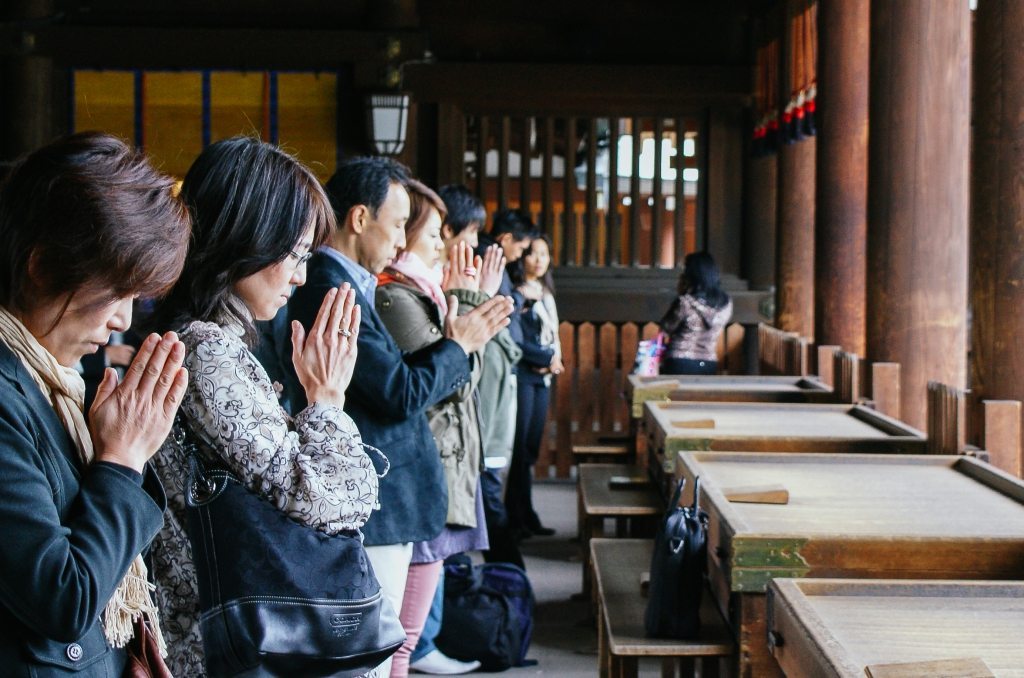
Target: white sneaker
{"x": 439, "y": 664}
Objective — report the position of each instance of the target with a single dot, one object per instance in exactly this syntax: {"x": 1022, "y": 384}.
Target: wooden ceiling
{"x": 654, "y": 32}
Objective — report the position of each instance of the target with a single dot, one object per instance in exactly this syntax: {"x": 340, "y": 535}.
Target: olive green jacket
{"x": 498, "y": 387}
{"x": 414, "y": 321}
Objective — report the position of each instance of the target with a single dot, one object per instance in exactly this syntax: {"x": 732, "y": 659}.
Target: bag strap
{"x": 387, "y": 462}
{"x": 200, "y": 465}
{"x": 674, "y": 504}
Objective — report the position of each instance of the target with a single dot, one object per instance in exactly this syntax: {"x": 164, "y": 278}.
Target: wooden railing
{"x": 779, "y": 352}
{"x": 947, "y": 433}
{"x": 587, "y": 403}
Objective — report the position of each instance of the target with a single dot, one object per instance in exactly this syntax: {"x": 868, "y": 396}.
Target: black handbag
{"x": 677, "y": 570}
{"x": 278, "y": 598}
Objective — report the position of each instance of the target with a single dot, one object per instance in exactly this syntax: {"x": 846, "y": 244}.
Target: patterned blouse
{"x": 693, "y": 326}
{"x": 316, "y": 470}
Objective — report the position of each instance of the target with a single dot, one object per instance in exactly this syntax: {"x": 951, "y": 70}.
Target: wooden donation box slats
{"x": 825, "y": 628}
{"x": 725, "y": 388}
{"x": 850, "y": 515}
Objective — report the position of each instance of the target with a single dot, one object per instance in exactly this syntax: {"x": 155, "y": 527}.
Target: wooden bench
{"x": 635, "y": 508}
{"x": 586, "y": 453}
{"x": 618, "y": 564}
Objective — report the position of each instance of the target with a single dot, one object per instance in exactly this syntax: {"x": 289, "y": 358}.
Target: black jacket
{"x": 69, "y": 535}
{"x": 535, "y": 354}
{"x": 387, "y": 399}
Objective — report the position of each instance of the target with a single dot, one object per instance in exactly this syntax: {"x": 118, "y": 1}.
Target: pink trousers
{"x": 419, "y": 595}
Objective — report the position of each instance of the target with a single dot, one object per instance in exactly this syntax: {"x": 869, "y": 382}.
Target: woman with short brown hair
{"x": 86, "y": 226}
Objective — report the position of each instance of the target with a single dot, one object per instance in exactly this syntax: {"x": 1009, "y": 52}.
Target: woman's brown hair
{"x": 421, "y": 199}
{"x": 251, "y": 204}
{"x": 88, "y": 210}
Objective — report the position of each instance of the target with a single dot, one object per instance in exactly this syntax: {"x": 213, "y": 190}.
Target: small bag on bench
{"x": 677, "y": 570}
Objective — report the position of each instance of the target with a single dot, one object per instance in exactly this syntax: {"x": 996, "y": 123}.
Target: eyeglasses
{"x": 300, "y": 259}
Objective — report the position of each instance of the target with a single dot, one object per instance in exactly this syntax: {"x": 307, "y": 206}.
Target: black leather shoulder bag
{"x": 278, "y": 598}
{"x": 677, "y": 570}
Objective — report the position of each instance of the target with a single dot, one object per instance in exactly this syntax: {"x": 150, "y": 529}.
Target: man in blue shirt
{"x": 390, "y": 390}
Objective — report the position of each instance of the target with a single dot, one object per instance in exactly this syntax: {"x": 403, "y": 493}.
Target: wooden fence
{"x": 587, "y": 403}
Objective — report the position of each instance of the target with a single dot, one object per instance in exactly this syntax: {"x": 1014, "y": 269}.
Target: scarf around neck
{"x": 428, "y": 280}
{"x": 65, "y": 389}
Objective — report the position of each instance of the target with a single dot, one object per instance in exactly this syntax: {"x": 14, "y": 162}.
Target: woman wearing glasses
{"x": 257, "y": 213}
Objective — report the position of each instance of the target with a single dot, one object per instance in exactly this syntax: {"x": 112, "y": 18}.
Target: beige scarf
{"x": 66, "y": 391}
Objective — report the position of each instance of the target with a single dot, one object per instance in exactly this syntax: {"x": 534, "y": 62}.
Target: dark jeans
{"x": 688, "y": 366}
{"x": 503, "y": 546}
{"x": 533, "y": 397}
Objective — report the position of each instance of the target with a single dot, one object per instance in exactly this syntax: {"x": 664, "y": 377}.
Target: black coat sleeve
{"x": 68, "y": 541}
{"x": 395, "y": 385}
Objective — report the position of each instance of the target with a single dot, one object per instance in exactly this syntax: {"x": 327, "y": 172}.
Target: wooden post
{"x": 846, "y": 372}
{"x": 29, "y": 117}
{"x": 826, "y": 355}
{"x": 1002, "y": 435}
{"x": 917, "y": 193}
{"x": 885, "y": 388}
{"x": 997, "y": 207}
{"x": 794, "y": 259}
{"x": 761, "y": 215}
{"x": 841, "y": 201}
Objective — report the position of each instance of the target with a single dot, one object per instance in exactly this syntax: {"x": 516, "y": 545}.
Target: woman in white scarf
{"x": 86, "y": 225}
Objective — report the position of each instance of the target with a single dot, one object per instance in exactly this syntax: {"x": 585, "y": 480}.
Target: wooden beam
{"x": 184, "y": 48}
{"x": 579, "y": 88}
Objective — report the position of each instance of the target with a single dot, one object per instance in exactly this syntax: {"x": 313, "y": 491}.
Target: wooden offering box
{"x": 843, "y": 627}
{"x": 692, "y": 426}
{"x": 850, "y": 515}
{"x": 725, "y": 388}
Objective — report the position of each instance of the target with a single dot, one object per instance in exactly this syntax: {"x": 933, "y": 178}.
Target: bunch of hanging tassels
{"x": 798, "y": 115}
{"x": 766, "y": 94}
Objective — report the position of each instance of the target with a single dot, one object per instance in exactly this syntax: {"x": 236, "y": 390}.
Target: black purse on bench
{"x": 677, "y": 570}
{"x": 278, "y": 598}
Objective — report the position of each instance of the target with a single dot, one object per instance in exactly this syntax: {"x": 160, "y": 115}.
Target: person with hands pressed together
{"x": 257, "y": 214}
{"x": 414, "y": 294}
{"x": 511, "y": 232}
{"x": 471, "y": 281}
{"x": 86, "y": 225}
{"x": 391, "y": 390}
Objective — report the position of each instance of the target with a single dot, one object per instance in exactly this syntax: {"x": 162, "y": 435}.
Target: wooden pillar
{"x": 794, "y": 259}
{"x": 997, "y": 204}
{"x": 28, "y": 119}
{"x": 918, "y": 193}
{"x": 841, "y": 201}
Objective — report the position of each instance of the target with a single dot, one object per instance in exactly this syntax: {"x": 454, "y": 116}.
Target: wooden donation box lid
{"x": 777, "y": 427}
{"x": 859, "y": 516}
{"x": 888, "y": 629}
{"x": 725, "y": 388}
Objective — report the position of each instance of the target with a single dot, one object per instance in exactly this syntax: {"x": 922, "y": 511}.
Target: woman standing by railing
{"x": 542, "y": 358}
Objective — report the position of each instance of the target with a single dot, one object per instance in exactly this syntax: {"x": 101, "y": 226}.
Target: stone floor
{"x": 565, "y": 637}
